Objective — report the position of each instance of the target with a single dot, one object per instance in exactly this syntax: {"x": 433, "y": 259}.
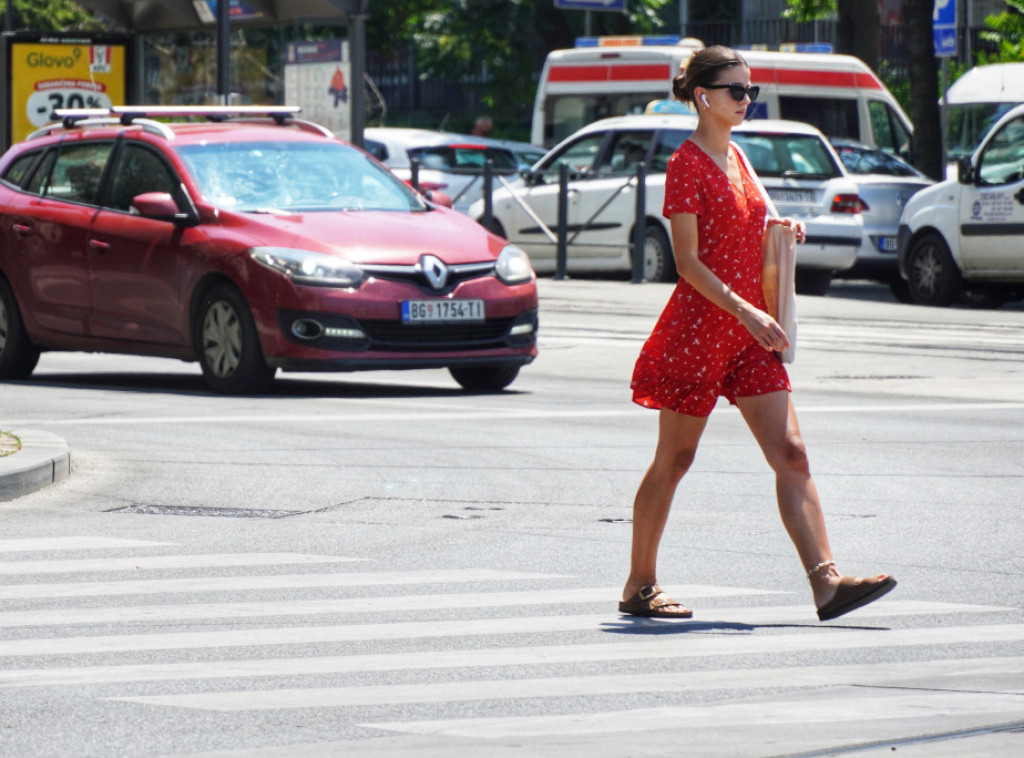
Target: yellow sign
{"x": 50, "y": 75}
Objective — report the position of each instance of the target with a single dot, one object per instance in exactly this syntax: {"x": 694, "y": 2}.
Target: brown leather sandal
{"x": 652, "y": 602}
{"x": 852, "y": 593}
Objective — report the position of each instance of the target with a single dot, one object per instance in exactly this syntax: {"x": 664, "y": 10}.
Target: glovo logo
{"x": 49, "y": 60}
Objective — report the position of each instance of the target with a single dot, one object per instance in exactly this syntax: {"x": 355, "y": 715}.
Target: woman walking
{"x": 715, "y": 339}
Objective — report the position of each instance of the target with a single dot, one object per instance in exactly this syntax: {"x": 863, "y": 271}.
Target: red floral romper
{"x": 697, "y": 351}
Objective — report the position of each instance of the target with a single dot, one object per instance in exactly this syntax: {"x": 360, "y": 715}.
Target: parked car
{"x": 798, "y": 167}
{"x": 884, "y": 183}
{"x": 249, "y": 247}
{"x": 966, "y": 235}
{"x": 448, "y": 162}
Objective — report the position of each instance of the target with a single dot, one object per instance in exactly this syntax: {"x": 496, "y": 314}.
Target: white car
{"x": 798, "y": 167}
{"x": 966, "y": 235}
{"x": 448, "y": 162}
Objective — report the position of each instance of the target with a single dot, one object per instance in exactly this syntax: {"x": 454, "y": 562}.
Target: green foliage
{"x": 1006, "y": 31}
{"x": 803, "y": 11}
{"x": 52, "y": 16}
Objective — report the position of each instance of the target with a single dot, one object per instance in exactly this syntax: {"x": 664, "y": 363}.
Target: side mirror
{"x": 437, "y": 197}
{"x": 161, "y": 206}
{"x": 964, "y": 170}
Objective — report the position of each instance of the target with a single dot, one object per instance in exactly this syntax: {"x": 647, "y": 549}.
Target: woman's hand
{"x": 796, "y": 226}
{"x": 764, "y": 328}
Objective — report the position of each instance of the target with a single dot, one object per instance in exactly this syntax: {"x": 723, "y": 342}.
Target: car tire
{"x": 932, "y": 276}
{"x": 485, "y": 378}
{"x": 812, "y": 281}
{"x": 659, "y": 262}
{"x": 228, "y": 345}
{"x": 18, "y": 356}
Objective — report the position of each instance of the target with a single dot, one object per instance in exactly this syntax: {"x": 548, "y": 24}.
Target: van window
{"x": 1003, "y": 159}
{"x": 566, "y": 115}
{"x": 836, "y": 117}
{"x": 888, "y": 131}
{"x": 628, "y": 150}
{"x": 968, "y": 123}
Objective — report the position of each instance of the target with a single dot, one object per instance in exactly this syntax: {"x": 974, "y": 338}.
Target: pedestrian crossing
{"x": 549, "y": 661}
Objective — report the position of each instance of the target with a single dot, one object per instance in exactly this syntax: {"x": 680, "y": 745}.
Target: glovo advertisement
{"x": 45, "y": 76}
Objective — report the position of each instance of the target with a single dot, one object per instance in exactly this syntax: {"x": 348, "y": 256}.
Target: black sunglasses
{"x": 737, "y": 91}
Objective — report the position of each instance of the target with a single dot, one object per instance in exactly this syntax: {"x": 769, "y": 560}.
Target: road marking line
{"x": 510, "y": 414}
{"x": 39, "y": 544}
{"x": 811, "y": 709}
{"x": 396, "y": 603}
{"x": 272, "y": 582}
{"x": 745, "y": 620}
{"x": 996, "y": 670}
{"x": 678, "y": 646}
{"x": 152, "y": 562}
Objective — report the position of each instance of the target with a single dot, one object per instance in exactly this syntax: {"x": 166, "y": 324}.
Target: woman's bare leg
{"x": 678, "y": 437}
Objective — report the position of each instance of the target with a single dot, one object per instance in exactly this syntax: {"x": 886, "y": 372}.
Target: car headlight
{"x": 307, "y": 267}
{"x": 513, "y": 266}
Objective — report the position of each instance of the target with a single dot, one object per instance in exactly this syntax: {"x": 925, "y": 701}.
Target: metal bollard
{"x": 487, "y": 193}
{"x": 562, "y": 251}
{"x": 640, "y": 223}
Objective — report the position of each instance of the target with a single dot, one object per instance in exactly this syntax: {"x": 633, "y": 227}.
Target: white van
{"x": 977, "y": 100}
{"x": 615, "y": 76}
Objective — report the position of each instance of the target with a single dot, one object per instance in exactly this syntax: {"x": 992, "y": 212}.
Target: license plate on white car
{"x": 791, "y": 195}
{"x": 433, "y": 311}
{"x": 888, "y": 244}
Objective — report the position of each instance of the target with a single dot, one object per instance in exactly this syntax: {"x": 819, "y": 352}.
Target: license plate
{"x": 888, "y": 244}
{"x": 427, "y": 311}
{"x": 791, "y": 195}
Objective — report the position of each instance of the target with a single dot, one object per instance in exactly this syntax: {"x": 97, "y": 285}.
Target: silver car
{"x": 885, "y": 183}
{"x": 448, "y": 162}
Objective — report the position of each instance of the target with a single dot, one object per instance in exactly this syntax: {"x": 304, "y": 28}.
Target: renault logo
{"x": 435, "y": 271}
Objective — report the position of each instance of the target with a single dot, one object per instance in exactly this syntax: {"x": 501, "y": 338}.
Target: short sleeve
{"x": 684, "y": 185}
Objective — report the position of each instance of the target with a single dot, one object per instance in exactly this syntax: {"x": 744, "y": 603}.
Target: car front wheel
{"x": 485, "y": 378}
{"x": 933, "y": 278}
{"x": 659, "y": 263}
{"x": 18, "y": 356}
{"x": 227, "y": 343}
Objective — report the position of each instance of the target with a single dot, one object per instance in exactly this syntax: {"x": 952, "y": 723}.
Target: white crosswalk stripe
{"x": 560, "y": 641}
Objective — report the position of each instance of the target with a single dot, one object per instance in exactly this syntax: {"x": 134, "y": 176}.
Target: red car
{"x": 250, "y": 245}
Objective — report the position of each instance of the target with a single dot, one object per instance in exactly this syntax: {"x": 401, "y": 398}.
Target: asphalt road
{"x": 383, "y": 565}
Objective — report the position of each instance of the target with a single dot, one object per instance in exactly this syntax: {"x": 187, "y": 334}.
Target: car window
{"x": 798, "y": 156}
{"x": 889, "y": 133}
{"x": 74, "y": 172}
{"x": 861, "y": 161}
{"x": 667, "y": 142}
{"x": 1003, "y": 159}
{"x": 464, "y": 159}
{"x": 628, "y": 149}
{"x": 17, "y": 172}
{"x": 377, "y": 149}
{"x": 579, "y": 156}
{"x": 294, "y": 176}
{"x": 139, "y": 170}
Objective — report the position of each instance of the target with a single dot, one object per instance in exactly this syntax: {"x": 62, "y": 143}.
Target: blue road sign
{"x": 944, "y": 28}
{"x": 592, "y": 5}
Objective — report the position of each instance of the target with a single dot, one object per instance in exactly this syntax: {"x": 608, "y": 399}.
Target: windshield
{"x": 968, "y": 125}
{"x": 294, "y": 176}
{"x": 796, "y": 156}
{"x": 859, "y": 160}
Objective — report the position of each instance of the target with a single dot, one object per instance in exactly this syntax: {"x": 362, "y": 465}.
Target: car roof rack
{"x": 143, "y": 116}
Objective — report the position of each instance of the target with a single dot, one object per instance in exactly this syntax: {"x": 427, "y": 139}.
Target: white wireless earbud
{"x": 704, "y": 99}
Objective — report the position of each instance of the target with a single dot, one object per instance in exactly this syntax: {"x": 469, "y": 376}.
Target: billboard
{"x": 317, "y": 77}
{"x": 43, "y": 72}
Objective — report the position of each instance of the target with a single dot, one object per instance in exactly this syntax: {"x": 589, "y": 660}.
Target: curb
{"x": 43, "y": 459}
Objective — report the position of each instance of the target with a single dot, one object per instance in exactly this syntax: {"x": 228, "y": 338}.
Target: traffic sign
{"x": 944, "y": 28}
{"x": 592, "y": 5}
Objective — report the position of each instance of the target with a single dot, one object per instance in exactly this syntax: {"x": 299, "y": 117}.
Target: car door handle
{"x": 21, "y": 229}
{"x": 98, "y": 245}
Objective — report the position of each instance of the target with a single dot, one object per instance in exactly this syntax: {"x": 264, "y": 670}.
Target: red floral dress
{"x": 697, "y": 351}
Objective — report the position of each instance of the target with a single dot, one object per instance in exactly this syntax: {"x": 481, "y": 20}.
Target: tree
{"x": 52, "y": 16}
{"x": 924, "y": 87}
{"x": 858, "y": 28}
{"x": 1006, "y": 31}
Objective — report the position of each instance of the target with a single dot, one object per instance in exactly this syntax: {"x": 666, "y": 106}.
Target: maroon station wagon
{"x": 250, "y": 242}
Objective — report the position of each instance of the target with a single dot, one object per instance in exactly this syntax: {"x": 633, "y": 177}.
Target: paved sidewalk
{"x": 43, "y": 459}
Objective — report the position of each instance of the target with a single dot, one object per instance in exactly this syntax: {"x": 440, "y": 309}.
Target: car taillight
{"x": 848, "y": 204}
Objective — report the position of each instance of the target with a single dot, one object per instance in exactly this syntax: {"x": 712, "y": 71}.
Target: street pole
{"x": 223, "y": 51}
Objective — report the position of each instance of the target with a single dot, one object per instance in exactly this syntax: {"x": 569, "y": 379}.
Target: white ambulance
{"x": 615, "y": 76}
